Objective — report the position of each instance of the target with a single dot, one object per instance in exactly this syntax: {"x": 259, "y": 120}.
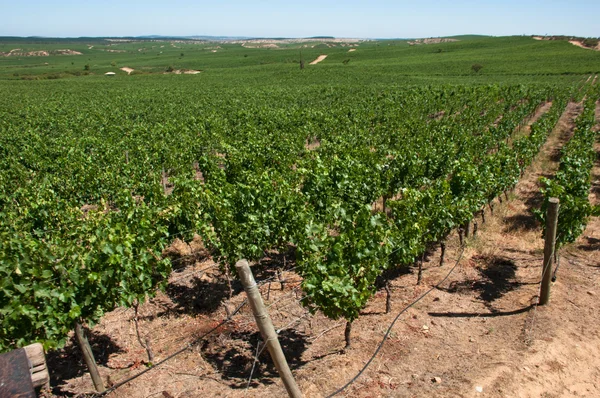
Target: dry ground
{"x": 319, "y": 59}
{"x": 480, "y": 334}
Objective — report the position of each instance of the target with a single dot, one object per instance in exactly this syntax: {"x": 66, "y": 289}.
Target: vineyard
{"x": 347, "y": 185}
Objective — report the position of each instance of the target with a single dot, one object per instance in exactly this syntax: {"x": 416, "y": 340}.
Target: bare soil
{"x": 319, "y": 59}
{"x": 581, "y": 45}
{"x": 479, "y": 334}
{"x": 127, "y": 70}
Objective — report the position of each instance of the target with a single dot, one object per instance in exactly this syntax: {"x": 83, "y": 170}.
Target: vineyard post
{"x": 265, "y": 325}
{"x": 88, "y": 356}
{"x": 549, "y": 247}
{"x": 164, "y": 180}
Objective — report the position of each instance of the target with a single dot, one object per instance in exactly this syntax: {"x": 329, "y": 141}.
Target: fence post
{"x": 549, "y": 247}
{"x": 263, "y": 320}
{"x": 88, "y": 357}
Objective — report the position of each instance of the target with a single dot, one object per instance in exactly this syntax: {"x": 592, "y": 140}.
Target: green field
{"x": 505, "y": 59}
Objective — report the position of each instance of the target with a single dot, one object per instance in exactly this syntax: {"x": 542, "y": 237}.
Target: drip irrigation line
{"x": 387, "y": 333}
{"x": 173, "y": 355}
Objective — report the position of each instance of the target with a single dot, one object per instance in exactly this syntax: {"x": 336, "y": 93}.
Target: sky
{"x": 304, "y": 18}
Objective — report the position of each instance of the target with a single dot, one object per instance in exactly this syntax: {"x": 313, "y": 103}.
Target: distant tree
{"x": 476, "y": 67}
{"x": 113, "y": 63}
{"x": 170, "y": 68}
{"x": 181, "y": 55}
{"x": 86, "y": 67}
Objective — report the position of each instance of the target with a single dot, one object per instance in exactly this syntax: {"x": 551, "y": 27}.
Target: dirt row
{"x": 479, "y": 335}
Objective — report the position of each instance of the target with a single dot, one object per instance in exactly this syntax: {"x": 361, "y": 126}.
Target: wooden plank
{"x": 35, "y": 353}
{"x": 37, "y": 361}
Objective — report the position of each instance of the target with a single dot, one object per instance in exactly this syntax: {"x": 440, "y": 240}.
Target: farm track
{"x": 479, "y": 330}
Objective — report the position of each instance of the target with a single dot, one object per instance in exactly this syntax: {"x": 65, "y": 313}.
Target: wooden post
{"x": 37, "y": 359}
{"x": 88, "y": 356}
{"x": 549, "y": 247}
{"x": 388, "y": 298}
{"x": 263, "y": 321}
{"x": 164, "y": 180}
{"x": 467, "y": 229}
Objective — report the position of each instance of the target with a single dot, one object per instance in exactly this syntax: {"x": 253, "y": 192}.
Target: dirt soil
{"x": 127, "y": 70}
{"x": 580, "y": 44}
{"x": 319, "y": 59}
{"x": 479, "y": 334}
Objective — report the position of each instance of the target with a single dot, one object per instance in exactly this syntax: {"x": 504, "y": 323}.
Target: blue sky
{"x": 264, "y": 18}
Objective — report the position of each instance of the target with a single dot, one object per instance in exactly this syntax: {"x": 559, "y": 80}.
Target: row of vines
{"x": 572, "y": 183}
{"x": 99, "y": 178}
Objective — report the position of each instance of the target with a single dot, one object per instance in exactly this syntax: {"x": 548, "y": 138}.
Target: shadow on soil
{"x": 481, "y": 314}
{"x": 68, "y": 363}
{"x": 591, "y": 245}
{"x": 527, "y": 221}
{"x": 235, "y": 360}
{"x": 497, "y": 278}
{"x": 200, "y": 295}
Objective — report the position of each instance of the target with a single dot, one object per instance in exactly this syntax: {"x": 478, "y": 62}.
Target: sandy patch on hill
{"x": 267, "y": 45}
{"x": 437, "y": 40}
{"x": 351, "y": 50}
{"x": 184, "y": 72}
{"x": 126, "y": 69}
{"x": 537, "y": 38}
{"x": 17, "y": 52}
{"x": 580, "y": 44}
{"x": 319, "y": 59}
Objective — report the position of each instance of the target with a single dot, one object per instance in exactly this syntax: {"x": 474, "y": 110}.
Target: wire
{"x": 387, "y": 333}
{"x": 173, "y": 355}
{"x": 264, "y": 345}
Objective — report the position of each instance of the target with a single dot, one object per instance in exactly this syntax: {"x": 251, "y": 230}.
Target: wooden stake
{"x": 164, "y": 180}
{"x": 420, "y": 273}
{"x": 549, "y": 247}
{"x": 88, "y": 357}
{"x": 388, "y": 298}
{"x": 228, "y": 276}
{"x": 265, "y": 325}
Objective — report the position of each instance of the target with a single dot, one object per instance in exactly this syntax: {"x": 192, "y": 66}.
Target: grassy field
{"x": 502, "y": 60}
